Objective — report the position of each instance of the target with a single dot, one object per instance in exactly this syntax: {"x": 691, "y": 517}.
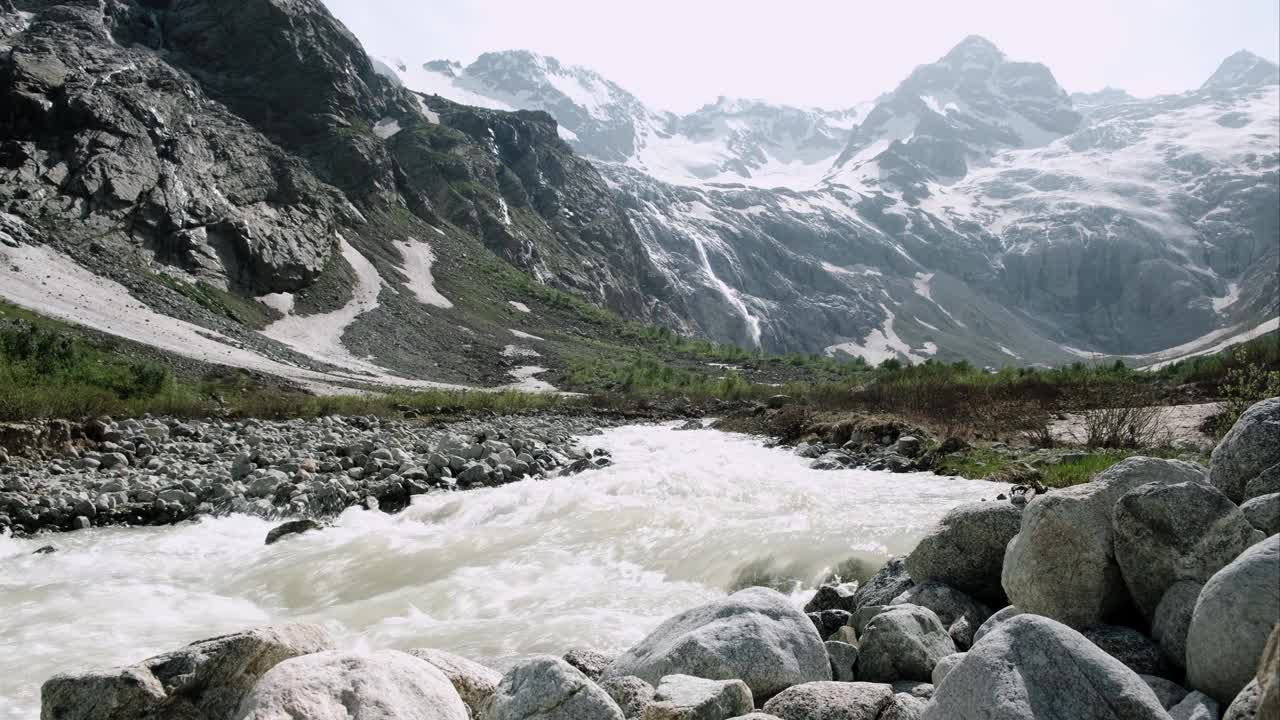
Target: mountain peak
{"x": 974, "y": 50}
{"x": 1243, "y": 69}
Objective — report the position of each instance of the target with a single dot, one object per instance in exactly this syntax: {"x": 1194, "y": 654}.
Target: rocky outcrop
{"x": 1062, "y": 562}
{"x": 1236, "y": 612}
{"x": 1034, "y": 667}
{"x": 203, "y": 681}
{"x": 755, "y": 635}
{"x": 387, "y": 684}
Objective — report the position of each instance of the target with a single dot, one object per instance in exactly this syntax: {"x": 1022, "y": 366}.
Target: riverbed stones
{"x": 548, "y": 688}
{"x": 630, "y": 693}
{"x": 965, "y": 550}
{"x": 826, "y": 700}
{"x": 828, "y": 622}
{"x": 755, "y": 635}
{"x": 1061, "y": 564}
{"x": 904, "y": 642}
{"x": 474, "y": 682}
{"x": 1263, "y": 512}
{"x": 1233, "y": 617}
{"x": 205, "y": 680}
{"x": 890, "y": 581}
{"x": 959, "y": 613}
{"x": 844, "y": 657}
{"x": 1170, "y": 532}
{"x": 1034, "y": 667}
{"x": 1172, "y": 621}
{"x": 591, "y": 663}
{"x": 684, "y": 697}
{"x": 1249, "y": 448}
{"x": 381, "y": 685}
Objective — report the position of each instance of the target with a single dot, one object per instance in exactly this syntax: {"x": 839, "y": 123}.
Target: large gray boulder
{"x": 1249, "y": 448}
{"x": 548, "y": 688}
{"x": 1169, "y": 692}
{"x": 203, "y": 681}
{"x": 831, "y": 701}
{"x": 959, "y": 613}
{"x": 382, "y": 685}
{"x": 1061, "y": 564}
{"x": 889, "y": 582}
{"x": 904, "y": 642}
{"x": 755, "y": 635}
{"x": 1138, "y": 652}
{"x": 965, "y": 550}
{"x": 1034, "y": 668}
{"x": 684, "y": 697}
{"x": 1235, "y": 613}
{"x": 1263, "y": 512}
{"x": 474, "y": 682}
{"x": 904, "y": 707}
{"x": 1170, "y": 532}
{"x": 945, "y": 666}
{"x": 1173, "y": 620}
{"x": 1195, "y": 706}
{"x": 996, "y": 618}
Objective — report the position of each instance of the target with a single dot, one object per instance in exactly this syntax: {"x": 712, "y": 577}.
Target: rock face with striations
{"x": 755, "y": 635}
{"x": 203, "y": 681}
{"x": 1062, "y": 564}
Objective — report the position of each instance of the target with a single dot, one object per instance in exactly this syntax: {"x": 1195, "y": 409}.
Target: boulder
{"x": 474, "y": 682}
{"x": 864, "y": 615}
{"x": 1032, "y": 667}
{"x": 1173, "y": 620}
{"x": 959, "y": 613}
{"x": 1234, "y": 614}
{"x": 1061, "y": 563}
{"x": 548, "y": 688}
{"x": 589, "y": 662}
{"x": 293, "y": 527}
{"x": 1263, "y": 512}
{"x": 833, "y": 597}
{"x": 1248, "y": 449}
{"x": 888, "y": 583}
{"x": 382, "y": 685}
{"x": 904, "y": 642}
{"x": 757, "y": 716}
{"x": 1195, "y": 706}
{"x": 1268, "y": 678}
{"x": 1266, "y": 483}
{"x": 945, "y": 666}
{"x": 1138, "y": 652}
{"x": 996, "y": 618}
{"x": 204, "y": 681}
{"x": 684, "y": 697}
{"x": 965, "y": 550}
{"x": 922, "y": 690}
{"x": 754, "y": 635}
{"x": 1170, "y": 532}
{"x": 1247, "y": 705}
{"x": 904, "y": 707}
{"x": 828, "y": 622}
{"x": 630, "y": 693}
{"x": 844, "y": 657}
{"x": 1169, "y": 692}
{"x": 831, "y": 701}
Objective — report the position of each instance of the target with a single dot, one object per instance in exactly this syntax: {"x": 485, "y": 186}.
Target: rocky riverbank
{"x": 1152, "y": 592}
{"x": 155, "y": 471}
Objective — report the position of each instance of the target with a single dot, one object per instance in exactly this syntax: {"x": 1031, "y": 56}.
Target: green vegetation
{"x": 245, "y": 311}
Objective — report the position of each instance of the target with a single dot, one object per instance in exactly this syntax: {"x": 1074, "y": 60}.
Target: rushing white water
{"x": 594, "y": 560}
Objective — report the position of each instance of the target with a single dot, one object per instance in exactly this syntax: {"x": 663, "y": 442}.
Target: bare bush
{"x": 1125, "y": 425}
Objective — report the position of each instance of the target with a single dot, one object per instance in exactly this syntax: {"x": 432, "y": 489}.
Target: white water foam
{"x": 594, "y": 560}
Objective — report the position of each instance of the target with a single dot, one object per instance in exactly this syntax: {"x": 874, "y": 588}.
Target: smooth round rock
{"x": 965, "y": 550}
{"x": 904, "y": 642}
{"x": 1233, "y": 617}
{"x": 1263, "y": 512}
{"x": 831, "y": 701}
{"x": 548, "y": 688}
{"x": 1247, "y": 450}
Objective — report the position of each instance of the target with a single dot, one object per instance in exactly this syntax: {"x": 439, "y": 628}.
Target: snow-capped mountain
{"x": 977, "y": 210}
{"x": 730, "y": 141}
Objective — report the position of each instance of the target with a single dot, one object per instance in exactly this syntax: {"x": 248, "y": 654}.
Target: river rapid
{"x": 594, "y": 560}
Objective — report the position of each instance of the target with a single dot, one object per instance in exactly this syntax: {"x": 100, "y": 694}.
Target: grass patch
{"x": 245, "y": 311}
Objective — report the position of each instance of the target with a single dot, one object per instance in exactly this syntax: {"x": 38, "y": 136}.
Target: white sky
{"x": 681, "y": 54}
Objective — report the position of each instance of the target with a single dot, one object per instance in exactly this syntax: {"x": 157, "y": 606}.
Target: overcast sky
{"x": 681, "y": 54}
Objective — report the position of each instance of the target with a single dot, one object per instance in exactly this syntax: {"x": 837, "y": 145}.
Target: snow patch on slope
{"x": 417, "y": 261}
{"x": 883, "y": 344}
